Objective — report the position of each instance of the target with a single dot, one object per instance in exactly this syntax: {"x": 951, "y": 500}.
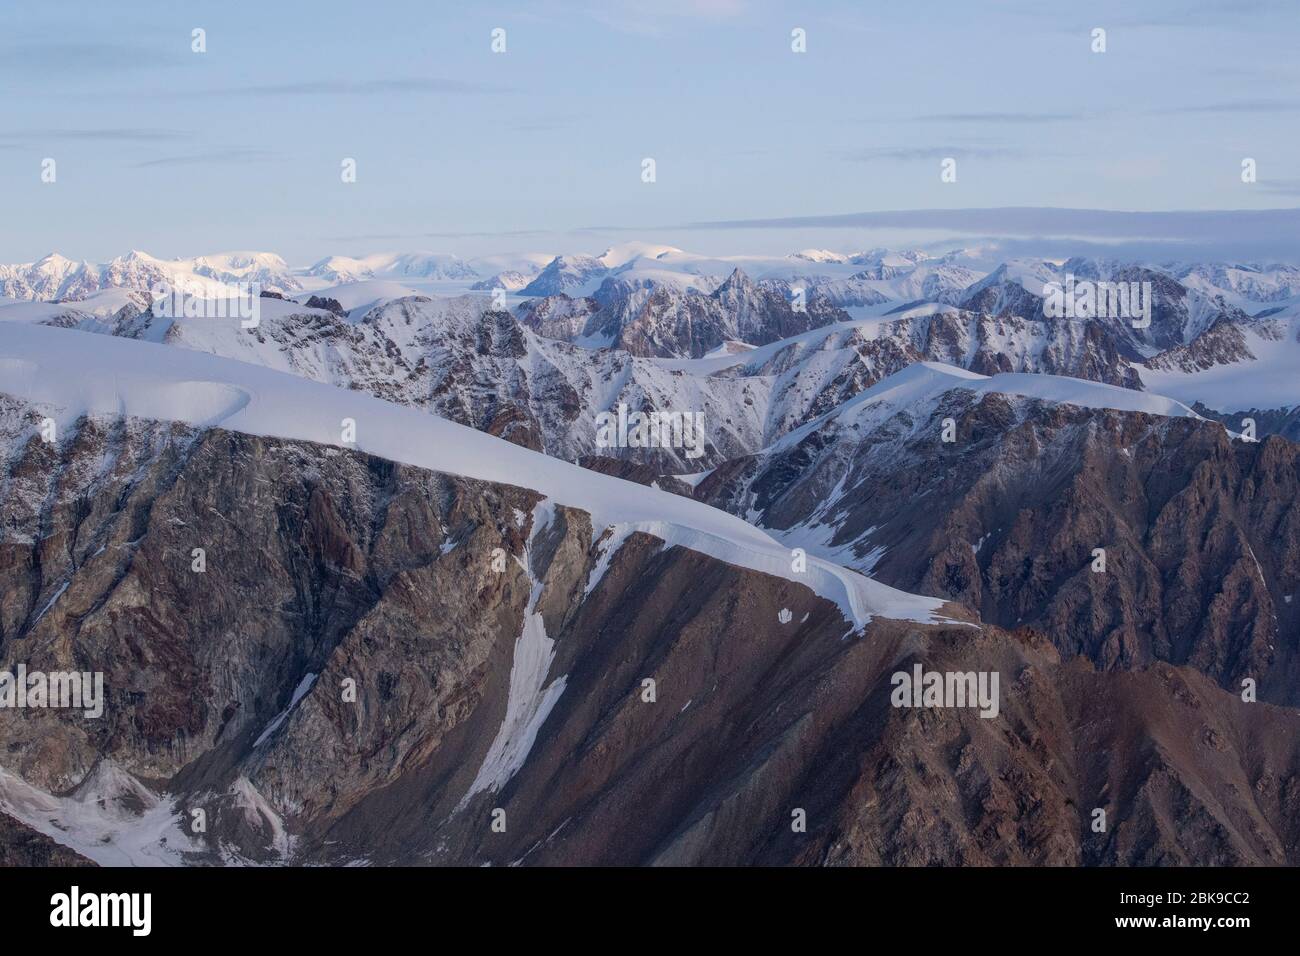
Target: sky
{"x": 757, "y": 149}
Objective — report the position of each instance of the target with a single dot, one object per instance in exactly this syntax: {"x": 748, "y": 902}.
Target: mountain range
{"x": 438, "y": 619}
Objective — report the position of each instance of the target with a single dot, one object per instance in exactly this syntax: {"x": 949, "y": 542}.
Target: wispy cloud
{"x": 212, "y": 157}
{"x": 1246, "y": 234}
{"x": 1275, "y": 224}
{"x": 654, "y": 18}
{"x": 413, "y": 84}
{"x": 390, "y": 236}
{"x": 1237, "y": 106}
{"x": 120, "y": 135}
{"x": 999, "y": 117}
{"x": 1244, "y": 14}
{"x": 541, "y": 124}
{"x": 913, "y": 153}
{"x": 43, "y": 57}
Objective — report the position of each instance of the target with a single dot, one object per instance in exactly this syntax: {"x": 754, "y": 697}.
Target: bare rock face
{"x": 565, "y": 272}
{"x": 946, "y": 787}
{"x": 328, "y": 304}
{"x": 459, "y": 359}
{"x": 1200, "y": 532}
{"x": 1268, "y": 421}
{"x": 671, "y": 322}
{"x": 22, "y": 846}
{"x": 1177, "y": 316}
{"x": 382, "y": 664}
{"x": 558, "y": 316}
{"x": 298, "y": 546}
{"x": 1223, "y": 343}
{"x": 1000, "y": 296}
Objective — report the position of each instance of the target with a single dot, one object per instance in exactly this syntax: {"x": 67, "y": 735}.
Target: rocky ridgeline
{"x": 766, "y": 737}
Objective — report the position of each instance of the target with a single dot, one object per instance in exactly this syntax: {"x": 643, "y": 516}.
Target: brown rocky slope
{"x": 324, "y": 566}
{"x": 1200, "y": 529}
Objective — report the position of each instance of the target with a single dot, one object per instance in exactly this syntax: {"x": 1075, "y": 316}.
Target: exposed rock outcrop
{"x": 378, "y": 663}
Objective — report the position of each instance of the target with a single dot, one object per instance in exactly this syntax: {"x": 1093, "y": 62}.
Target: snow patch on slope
{"x": 1271, "y": 381}
{"x": 299, "y": 693}
{"x": 110, "y": 818}
{"x": 528, "y": 704}
{"x": 75, "y": 373}
{"x": 255, "y": 808}
{"x": 922, "y": 383}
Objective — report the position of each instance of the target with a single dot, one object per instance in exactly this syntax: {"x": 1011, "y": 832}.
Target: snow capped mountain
{"x": 876, "y": 278}
{"x": 512, "y": 280}
{"x": 804, "y": 486}
{"x": 1242, "y": 283}
{"x": 42, "y": 279}
{"x": 37, "y": 280}
{"x": 636, "y": 264}
{"x": 565, "y": 274}
{"x": 752, "y": 309}
{"x": 423, "y": 265}
{"x": 678, "y": 319}
{"x": 820, "y": 369}
{"x": 627, "y": 252}
{"x": 618, "y": 433}
{"x": 77, "y": 375}
{"x": 55, "y": 277}
{"x": 940, "y": 449}
{"x": 819, "y": 255}
{"x": 458, "y": 359}
{"x": 638, "y": 295}
{"x": 1173, "y": 314}
{"x": 659, "y": 301}
{"x": 362, "y": 295}
{"x": 851, "y": 293}
{"x": 879, "y": 263}
{"x": 888, "y": 264}
{"x": 509, "y": 272}
{"x": 934, "y": 281}
{"x": 1013, "y": 288}
{"x": 998, "y": 492}
{"x": 360, "y": 542}
{"x": 265, "y": 268}
{"x": 1235, "y": 367}
{"x": 922, "y": 384}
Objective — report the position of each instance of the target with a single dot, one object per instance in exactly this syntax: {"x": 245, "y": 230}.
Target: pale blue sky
{"x": 462, "y": 150}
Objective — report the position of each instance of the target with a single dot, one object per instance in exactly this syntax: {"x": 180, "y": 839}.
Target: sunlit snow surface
{"x": 69, "y": 373}
{"x": 74, "y": 373}
{"x": 529, "y": 701}
{"x": 1271, "y": 381}
{"x": 102, "y": 818}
